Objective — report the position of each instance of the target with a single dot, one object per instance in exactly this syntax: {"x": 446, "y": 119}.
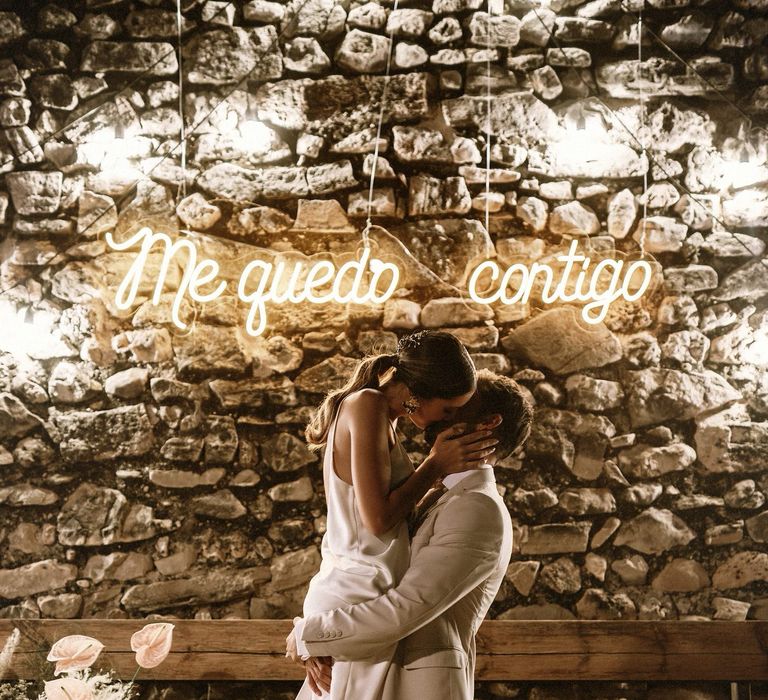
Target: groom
{"x": 459, "y": 555}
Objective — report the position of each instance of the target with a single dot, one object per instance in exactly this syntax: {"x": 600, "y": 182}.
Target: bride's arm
{"x": 380, "y": 509}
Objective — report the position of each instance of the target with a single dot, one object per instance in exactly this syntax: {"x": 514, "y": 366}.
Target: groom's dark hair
{"x": 503, "y": 395}
{"x": 495, "y": 393}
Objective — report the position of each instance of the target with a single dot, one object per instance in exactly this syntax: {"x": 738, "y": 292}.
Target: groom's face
{"x": 469, "y": 413}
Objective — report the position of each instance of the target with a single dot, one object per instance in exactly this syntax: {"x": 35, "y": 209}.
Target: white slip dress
{"x": 356, "y": 566}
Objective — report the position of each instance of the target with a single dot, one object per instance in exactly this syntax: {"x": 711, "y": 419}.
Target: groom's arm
{"x": 462, "y": 552}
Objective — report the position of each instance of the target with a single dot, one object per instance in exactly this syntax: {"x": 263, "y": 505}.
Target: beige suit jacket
{"x": 459, "y": 556}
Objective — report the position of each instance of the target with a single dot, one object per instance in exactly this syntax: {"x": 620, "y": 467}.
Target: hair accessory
{"x": 412, "y": 341}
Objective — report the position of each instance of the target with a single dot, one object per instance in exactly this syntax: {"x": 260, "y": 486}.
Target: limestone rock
{"x": 209, "y": 350}
{"x": 71, "y": 383}
{"x": 286, "y": 453}
{"x": 93, "y": 516}
{"x": 688, "y": 348}
{"x": 662, "y": 77}
{"x": 320, "y": 18}
{"x": 648, "y": 462}
{"x": 559, "y": 340}
{"x": 622, "y": 210}
{"x": 65, "y": 606}
{"x": 744, "y": 494}
{"x": 179, "y": 479}
{"x": 585, "y": 501}
{"x": 555, "y": 539}
{"x": 226, "y": 55}
{"x": 654, "y": 531}
{"x": 221, "y": 440}
{"x": 221, "y": 505}
{"x": 746, "y": 282}
{"x": 604, "y": 533}
{"x": 33, "y": 452}
{"x": 409, "y": 22}
{"x": 26, "y": 495}
{"x": 561, "y": 576}
{"x": 431, "y": 196}
{"x": 681, "y": 576}
{"x": 534, "y": 212}
{"x": 522, "y": 575}
{"x": 589, "y": 394}
{"x": 573, "y": 218}
{"x": 147, "y": 57}
{"x": 514, "y": 115}
{"x": 326, "y": 376}
{"x": 501, "y": 31}
{"x": 39, "y": 577}
{"x": 292, "y": 491}
{"x": 89, "y": 436}
{"x": 448, "y": 247}
{"x": 97, "y": 214}
{"x": 632, "y": 570}
{"x": 690, "y": 279}
{"x": 118, "y": 566}
{"x": 35, "y": 193}
{"x": 371, "y": 15}
{"x": 660, "y": 234}
{"x": 401, "y": 313}
{"x": 295, "y": 568}
{"x": 757, "y": 527}
{"x": 305, "y": 55}
{"x": 196, "y": 212}
{"x": 657, "y": 395}
{"x": 210, "y": 588}
{"x": 597, "y": 604}
{"x": 450, "y": 311}
{"x": 740, "y": 570}
{"x": 338, "y": 106}
{"x": 363, "y": 52}
{"x": 15, "y": 419}
{"x": 537, "y": 26}
{"x": 128, "y": 384}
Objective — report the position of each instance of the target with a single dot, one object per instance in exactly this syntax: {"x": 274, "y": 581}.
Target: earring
{"x": 411, "y": 405}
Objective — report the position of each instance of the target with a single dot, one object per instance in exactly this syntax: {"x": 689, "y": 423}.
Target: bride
{"x": 370, "y": 484}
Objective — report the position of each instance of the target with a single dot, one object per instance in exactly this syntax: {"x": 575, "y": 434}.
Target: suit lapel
{"x": 477, "y": 480}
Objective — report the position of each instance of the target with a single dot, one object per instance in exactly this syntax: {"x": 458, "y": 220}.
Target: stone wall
{"x": 149, "y": 471}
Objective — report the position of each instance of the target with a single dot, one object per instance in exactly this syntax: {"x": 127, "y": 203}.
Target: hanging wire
{"x": 130, "y": 190}
{"x": 110, "y": 97}
{"x": 182, "y": 134}
{"x": 374, "y": 165}
{"x": 488, "y": 122}
{"x": 643, "y": 125}
{"x": 669, "y": 176}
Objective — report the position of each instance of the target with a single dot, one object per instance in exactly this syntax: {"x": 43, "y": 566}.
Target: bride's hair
{"x": 432, "y": 364}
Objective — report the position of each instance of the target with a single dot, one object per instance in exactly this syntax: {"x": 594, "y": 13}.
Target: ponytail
{"x": 366, "y": 376}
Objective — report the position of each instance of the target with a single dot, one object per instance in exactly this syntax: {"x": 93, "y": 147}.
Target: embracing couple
{"x": 392, "y": 614}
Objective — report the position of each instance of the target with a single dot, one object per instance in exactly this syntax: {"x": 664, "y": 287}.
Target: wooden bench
{"x": 506, "y": 650}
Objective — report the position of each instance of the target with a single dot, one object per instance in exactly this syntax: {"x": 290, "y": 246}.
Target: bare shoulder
{"x": 365, "y": 404}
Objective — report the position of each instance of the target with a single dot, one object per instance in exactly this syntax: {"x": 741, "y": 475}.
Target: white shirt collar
{"x": 452, "y": 479}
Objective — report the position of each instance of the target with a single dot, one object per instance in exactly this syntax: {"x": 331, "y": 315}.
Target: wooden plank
{"x": 507, "y": 650}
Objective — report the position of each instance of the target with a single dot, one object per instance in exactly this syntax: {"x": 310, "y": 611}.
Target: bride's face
{"x": 434, "y": 410}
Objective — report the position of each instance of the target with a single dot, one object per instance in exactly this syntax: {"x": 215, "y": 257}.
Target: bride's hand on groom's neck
{"x": 455, "y": 451}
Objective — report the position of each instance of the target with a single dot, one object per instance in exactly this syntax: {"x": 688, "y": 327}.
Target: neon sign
{"x": 368, "y": 280}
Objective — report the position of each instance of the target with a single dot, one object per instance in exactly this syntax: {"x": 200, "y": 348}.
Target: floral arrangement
{"x": 75, "y": 654}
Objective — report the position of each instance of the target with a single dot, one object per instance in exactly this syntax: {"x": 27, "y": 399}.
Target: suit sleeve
{"x": 462, "y": 552}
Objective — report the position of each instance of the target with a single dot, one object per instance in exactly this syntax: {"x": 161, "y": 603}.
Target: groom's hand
{"x": 319, "y": 674}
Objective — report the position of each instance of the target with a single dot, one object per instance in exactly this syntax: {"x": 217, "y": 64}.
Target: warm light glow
{"x": 606, "y": 283}
{"x": 112, "y": 151}
{"x": 26, "y": 332}
{"x": 256, "y": 136}
{"x": 261, "y": 282}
